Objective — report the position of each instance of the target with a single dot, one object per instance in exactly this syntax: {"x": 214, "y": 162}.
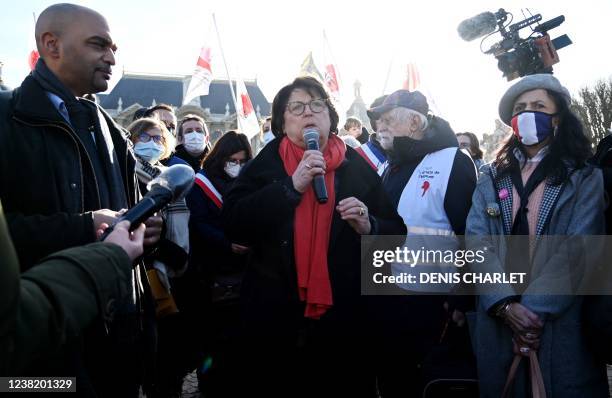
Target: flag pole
{"x": 229, "y": 81}
{"x": 327, "y": 48}
{"x": 388, "y": 73}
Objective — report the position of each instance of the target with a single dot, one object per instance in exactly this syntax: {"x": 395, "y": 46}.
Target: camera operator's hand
{"x": 130, "y": 242}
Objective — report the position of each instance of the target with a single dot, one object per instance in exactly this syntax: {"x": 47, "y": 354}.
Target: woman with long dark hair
{"x": 216, "y": 262}
{"x": 539, "y": 187}
{"x": 469, "y": 142}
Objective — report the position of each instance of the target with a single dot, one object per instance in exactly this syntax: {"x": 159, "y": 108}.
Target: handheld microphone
{"x": 477, "y": 26}
{"x": 172, "y": 184}
{"x": 311, "y": 138}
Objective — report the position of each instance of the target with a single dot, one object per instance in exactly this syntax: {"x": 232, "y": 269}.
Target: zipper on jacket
{"x": 77, "y": 141}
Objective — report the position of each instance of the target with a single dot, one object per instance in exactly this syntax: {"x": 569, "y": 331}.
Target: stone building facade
{"x": 138, "y": 90}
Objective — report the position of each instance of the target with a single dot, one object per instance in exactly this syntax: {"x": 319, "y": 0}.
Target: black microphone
{"x": 477, "y": 26}
{"x": 311, "y": 138}
{"x": 172, "y": 184}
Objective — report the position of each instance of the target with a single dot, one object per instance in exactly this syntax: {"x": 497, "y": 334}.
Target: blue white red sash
{"x": 209, "y": 189}
{"x": 373, "y": 155}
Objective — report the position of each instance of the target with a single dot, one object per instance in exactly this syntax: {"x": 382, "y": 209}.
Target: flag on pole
{"x": 201, "y": 78}
{"x": 309, "y": 68}
{"x": 331, "y": 80}
{"x": 413, "y": 82}
{"x": 33, "y": 58}
{"x": 331, "y": 71}
{"x": 247, "y": 120}
{"x": 413, "y": 78}
{"x": 34, "y": 55}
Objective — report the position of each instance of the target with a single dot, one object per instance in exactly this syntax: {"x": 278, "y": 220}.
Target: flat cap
{"x": 528, "y": 83}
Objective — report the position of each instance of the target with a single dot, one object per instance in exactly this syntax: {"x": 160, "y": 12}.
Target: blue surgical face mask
{"x": 268, "y": 136}
{"x": 149, "y": 151}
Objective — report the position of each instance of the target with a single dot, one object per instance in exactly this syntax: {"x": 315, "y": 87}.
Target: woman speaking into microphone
{"x": 303, "y": 313}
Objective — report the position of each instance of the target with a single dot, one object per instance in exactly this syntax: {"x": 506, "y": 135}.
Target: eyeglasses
{"x": 316, "y": 106}
{"x": 146, "y": 137}
{"x": 237, "y": 162}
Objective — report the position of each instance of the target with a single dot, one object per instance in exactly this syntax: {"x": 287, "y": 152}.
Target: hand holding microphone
{"x": 312, "y": 167}
{"x": 171, "y": 185}
{"x": 312, "y": 164}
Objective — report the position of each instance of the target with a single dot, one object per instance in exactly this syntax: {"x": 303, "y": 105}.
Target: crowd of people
{"x": 254, "y": 280}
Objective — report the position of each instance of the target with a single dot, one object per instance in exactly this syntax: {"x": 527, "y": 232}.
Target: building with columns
{"x": 490, "y": 143}
{"x": 138, "y": 90}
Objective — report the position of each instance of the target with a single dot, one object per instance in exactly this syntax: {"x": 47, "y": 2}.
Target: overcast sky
{"x": 270, "y": 39}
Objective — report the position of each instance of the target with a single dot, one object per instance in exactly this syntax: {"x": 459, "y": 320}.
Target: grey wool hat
{"x": 527, "y": 83}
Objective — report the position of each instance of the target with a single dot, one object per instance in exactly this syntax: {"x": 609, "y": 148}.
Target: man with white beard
{"x": 430, "y": 181}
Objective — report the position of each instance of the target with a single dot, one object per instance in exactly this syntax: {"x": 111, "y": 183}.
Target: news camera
{"x": 517, "y": 56}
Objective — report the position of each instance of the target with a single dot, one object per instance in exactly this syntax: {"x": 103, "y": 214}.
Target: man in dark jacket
{"x": 431, "y": 183}
{"x": 66, "y": 169}
{"x": 47, "y": 306}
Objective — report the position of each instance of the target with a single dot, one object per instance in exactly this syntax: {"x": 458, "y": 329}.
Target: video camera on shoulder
{"x": 517, "y": 56}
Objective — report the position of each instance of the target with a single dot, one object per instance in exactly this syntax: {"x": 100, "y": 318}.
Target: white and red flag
{"x": 33, "y": 58}
{"x": 331, "y": 80}
{"x": 247, "y": 119}
{"x": 331, "y": 77}
{"x": 201, "y": 78}
{"x": 413, "y": 78}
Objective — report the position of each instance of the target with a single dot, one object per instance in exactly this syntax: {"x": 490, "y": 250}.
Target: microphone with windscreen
{"x": 311, "y": 138}
{"x": 477, "y": 26}
{"x": 171, "y": 185}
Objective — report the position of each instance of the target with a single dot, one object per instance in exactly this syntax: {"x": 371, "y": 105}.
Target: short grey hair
{"x": 403, "y": 115}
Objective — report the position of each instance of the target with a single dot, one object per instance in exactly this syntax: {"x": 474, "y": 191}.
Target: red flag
{"x": 33, "y": 58}
{"x": 331, "y": 80}
{"x": 247, "y": 119}
{"x": 201, "y": 78}
{"x": 413, "y": 79}
{"x": 247, "y": 106}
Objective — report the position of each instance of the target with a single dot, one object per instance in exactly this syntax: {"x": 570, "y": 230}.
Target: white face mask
{"x": 149, "y": 151}
{"x": 232, "y": 169}
{"x": 194, "y": 142}
{"x": 268, "y": 136}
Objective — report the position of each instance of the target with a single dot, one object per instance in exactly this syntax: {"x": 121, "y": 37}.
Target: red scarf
{"x": 312, "y": 226}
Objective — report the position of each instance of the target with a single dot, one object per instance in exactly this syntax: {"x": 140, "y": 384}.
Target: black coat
{"x": 408, "y": 153}
{"x": 45, "y": 173}
{"x": 211, "y": 252}
{"x": 194, "y": 161}
{"x": 259, "y": 212}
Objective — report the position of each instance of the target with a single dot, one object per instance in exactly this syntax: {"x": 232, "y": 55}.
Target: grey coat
{"x": 568, "y": 367}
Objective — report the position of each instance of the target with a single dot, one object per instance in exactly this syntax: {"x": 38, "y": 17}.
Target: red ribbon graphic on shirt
{"x": 425, "y": 187}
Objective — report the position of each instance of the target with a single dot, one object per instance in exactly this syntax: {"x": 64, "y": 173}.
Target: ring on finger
{"x": 308, "y": 166}
{"x": 530, "y": 335}
{"x": 361, "y": 211}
